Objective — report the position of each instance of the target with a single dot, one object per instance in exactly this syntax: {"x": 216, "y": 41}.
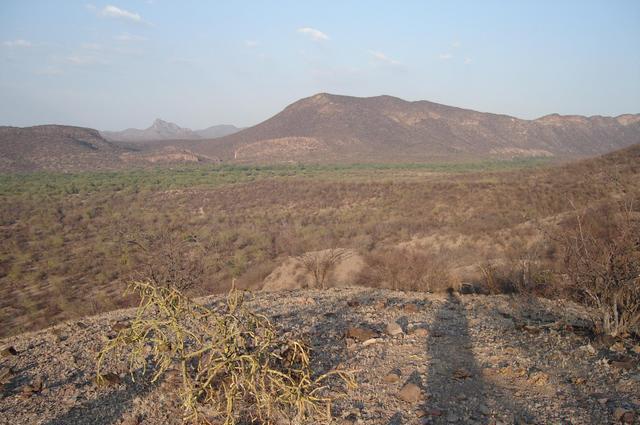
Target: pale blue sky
{"x": 116, "y": 64}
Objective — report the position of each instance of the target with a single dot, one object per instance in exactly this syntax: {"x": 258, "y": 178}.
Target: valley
{"x": 66, "y": 238}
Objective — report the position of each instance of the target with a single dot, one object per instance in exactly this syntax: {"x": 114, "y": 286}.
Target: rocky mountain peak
{"x": 159, "y": 124}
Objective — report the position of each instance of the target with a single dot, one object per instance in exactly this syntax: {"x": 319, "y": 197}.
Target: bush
{"x": 232, "y": 363}
{"x": 495, "y": 279}
{"x": 406, "y": 269}
{"x": 169, "y": 261}
{"x": 525, "y": 270}
{"x": 602, "y": 262}
{"x": 321, "y": 263}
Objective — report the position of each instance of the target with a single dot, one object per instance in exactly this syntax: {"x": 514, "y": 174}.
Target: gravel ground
{"x": 421, "y": 359}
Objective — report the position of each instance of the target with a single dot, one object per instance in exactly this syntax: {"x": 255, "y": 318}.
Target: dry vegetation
{"x": 232, "y": 364}
{"x": 602, "y": 259}
{"x": 406, "y": 269}
{"x": 67, "y": 246}
{"x": 320, "y": 263}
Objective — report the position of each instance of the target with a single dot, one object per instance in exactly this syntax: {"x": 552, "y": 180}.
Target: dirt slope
{"x": 472, "y": 359}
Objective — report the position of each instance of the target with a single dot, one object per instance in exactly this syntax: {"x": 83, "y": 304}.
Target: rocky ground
{"x": 422, "y": 359}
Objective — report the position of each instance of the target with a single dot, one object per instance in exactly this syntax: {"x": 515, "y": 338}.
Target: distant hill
{"x": 55, "y": 147}
{"x": 217, "y": 131}
{"x": 163, "y": 130}
{"x": 328, "y": 127}
{"x": 67, "y": 148}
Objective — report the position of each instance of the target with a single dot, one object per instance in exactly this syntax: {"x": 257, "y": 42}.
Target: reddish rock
{"x": 391, "y": 377}
{"x": 410, "y": 393}
{"x": 419, "y": 332}
{"x": 410, "y": 308}
{"x": 360, "y": 334}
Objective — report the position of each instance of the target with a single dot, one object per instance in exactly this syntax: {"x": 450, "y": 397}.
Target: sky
{"x": 118, "y": 64}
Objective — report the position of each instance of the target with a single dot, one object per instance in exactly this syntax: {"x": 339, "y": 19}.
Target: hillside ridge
{"x": 327, "y": 127}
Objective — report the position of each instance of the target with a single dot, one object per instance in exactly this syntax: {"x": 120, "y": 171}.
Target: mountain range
{"x": 163, "y": 130}
{"x": 325, "y": 128}
{"x": 328, "y": 127}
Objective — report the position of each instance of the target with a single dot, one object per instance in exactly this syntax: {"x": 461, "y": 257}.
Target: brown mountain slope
{"x": 67, "y": 148}
{"x": 55, "y": 147}
{"x": 328, "y": 127}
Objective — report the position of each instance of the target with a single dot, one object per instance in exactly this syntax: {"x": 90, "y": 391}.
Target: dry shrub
{"x": 169, "y": 261}
{"x": 532, "y": 270}
{"x": 233, "y": 364}
{"x": 321, "y": 263}
{"x": 520, "y": 275}
{"x": 527, "y": 269}
{"x": 495, "y": 279}
{"x": 602, "y": 261}
{"x": 406, "y": 269}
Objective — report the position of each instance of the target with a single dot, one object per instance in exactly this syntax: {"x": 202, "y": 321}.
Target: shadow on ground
{"x": 456, "y": 389}
{"x": 106, "y": 409}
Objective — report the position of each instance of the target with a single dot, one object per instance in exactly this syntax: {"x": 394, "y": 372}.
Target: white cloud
{"x": 85, "y": 60}
{"x": 115, "y": 12}
{"x": 49, "y": 70}
{"x": 445, "y": 56}
{"x": 127, "y": 51}
{"x": 17, "y": 43}
{"x": 381, "y": 57}
{"x": 129, "y": 37}
{"x": 91, "y": 46}
{"x": 314, "y": 34}
{"x": 467, "y": 61}
{"x": 183, "y": 61}
{"x": 251, "y": 44}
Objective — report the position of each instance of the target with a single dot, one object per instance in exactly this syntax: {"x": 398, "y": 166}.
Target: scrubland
{"x": 71, "y": 242}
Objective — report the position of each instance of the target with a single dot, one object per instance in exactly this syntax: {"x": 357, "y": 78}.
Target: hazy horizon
{"x": 116, "y": 65}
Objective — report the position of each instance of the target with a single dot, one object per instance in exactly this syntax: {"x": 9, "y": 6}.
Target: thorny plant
{"x": 233, "y": 364}
{"x": 602, "y": 260}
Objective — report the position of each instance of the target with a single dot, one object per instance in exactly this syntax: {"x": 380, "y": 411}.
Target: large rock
{"x": 393, "y": 329}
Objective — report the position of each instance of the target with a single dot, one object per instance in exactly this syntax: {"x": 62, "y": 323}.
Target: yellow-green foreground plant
{"x": 233, "y": 364}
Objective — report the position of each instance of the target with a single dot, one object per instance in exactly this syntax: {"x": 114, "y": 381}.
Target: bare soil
{"x": 471, "y": 359}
